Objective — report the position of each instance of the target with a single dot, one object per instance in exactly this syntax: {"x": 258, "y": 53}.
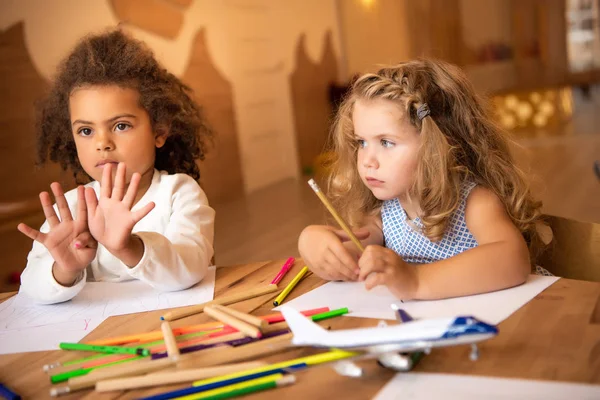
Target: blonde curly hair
{"x": 459, "y": 142}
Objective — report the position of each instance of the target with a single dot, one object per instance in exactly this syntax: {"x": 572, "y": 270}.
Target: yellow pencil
{"x": 290, "y": 286}
{"x": 335, "y": 215}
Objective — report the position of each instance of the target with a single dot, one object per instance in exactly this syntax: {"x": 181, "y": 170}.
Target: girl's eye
{"x": 121, "y": 126}
{"x": 361, "y": 143}
{"x": 85, "y": 132}
{"x": 387, "y": 143}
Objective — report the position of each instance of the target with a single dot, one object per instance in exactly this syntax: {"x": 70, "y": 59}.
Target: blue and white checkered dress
{"x": 413, "y": 246}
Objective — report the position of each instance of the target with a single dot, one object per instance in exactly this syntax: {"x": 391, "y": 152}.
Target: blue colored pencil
{"x": 8, "y": 394}
{"x": 215, "y": 385}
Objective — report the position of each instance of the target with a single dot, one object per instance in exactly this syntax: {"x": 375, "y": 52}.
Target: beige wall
{"x": 485, "y": 21}
{"x": 374, "y": 32}
{"x": 251, "y": 42}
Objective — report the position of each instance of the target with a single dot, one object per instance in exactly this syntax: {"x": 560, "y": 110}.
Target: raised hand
{"x": 69, "y": 241}
{"x": 110, "y": 217}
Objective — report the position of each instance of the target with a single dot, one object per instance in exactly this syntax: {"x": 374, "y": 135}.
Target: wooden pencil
{"x": 179, "y": 376}
{"x": 170, "y": 342}
{"x": 335, "y": 215}
{"x": 234, "y": 298}
{"x": 240, "y": 325}
{"x": 130, "y": 369}
{"x": 251, "y": 319}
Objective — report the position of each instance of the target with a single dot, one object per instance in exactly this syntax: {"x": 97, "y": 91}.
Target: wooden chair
{"x": 574, "y": 249}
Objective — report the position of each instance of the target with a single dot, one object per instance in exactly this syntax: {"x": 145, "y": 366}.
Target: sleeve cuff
{"x": 136, "y": 270}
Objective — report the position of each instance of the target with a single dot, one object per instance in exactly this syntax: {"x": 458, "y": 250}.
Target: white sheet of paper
{"x": 425, "y": 386}
{"x": 492, "y": 307}
{"x": 26, "y": 326}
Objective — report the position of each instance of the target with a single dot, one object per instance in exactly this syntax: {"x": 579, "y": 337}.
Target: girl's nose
{"x": 370, "y": 159}
{"x": 104, "y": 142}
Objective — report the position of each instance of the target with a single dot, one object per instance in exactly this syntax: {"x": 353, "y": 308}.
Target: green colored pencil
{"x": 330, "y": 314}
{"x": 253, "y": 386}
{"x": 138, "y": 351}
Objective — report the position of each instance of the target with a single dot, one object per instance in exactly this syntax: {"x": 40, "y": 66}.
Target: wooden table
{"x": 556, "y": 336}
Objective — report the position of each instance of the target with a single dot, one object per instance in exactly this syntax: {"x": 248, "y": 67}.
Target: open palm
{"x": 110, "y": 217}
{"x": 69, "y": 241}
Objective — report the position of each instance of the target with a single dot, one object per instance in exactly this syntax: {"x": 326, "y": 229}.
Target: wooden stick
{"x": 170, "y": 342}
{"x": 218, "y": 356}
{"x": 335, "y": 215}
{"x": 205, "y": 358}
{"x": 234, "y": 298}
{"x": 130, "y": 369}
{"x": 251, "y": 319}
{"x": 241, "y": 326}
{"x": 167, "y": 378}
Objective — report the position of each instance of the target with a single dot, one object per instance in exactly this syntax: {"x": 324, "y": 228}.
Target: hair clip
{"x": 423, "y": 111}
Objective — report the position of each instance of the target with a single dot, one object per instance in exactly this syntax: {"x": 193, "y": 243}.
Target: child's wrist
{"x": 132, "y": 253}
{"x": 64, "y": 277}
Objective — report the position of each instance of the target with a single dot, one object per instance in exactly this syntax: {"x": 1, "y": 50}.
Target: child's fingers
{"x": 31, "y": 233}
{"x": 119, "y": 186}
{"x": 361, "y": 234}
{"x": 86, "y": 240}
{"x": 129, "y": 197}
{"x": 106, "y": 184}
{"x": 368, "y": 264}
{"x": 91, "y": 202}
{"x": 342, "y": 270}
{"x": 344, "y": 256}
{"x": 81, "y": 217}
{"x": 61, "y": 202}
{"x": 374, "y": 279}
{"x": 49, "y": 212}
{"x": 142, "y": 212}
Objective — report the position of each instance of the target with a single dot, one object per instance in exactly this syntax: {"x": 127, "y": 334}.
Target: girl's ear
{"x": 160, "y": 136}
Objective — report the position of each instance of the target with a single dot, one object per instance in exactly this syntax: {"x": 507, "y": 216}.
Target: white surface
{"x": 492, "y": 307}
{"x": 26, "y": 326}
{"x": 422, "y": 386}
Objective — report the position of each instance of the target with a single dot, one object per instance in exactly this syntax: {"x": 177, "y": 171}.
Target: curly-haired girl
{"x": 117, "y": 118}
{"x": 427, "y": 176}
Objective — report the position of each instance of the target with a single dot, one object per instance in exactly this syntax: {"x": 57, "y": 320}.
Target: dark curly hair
{"x": 114, "y": 58}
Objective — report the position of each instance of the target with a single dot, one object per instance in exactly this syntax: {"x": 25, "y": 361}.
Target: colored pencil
{"x": 335, "y": 214}
{"x": 168, "y": 378}
{"x": 240, "y": 325}
{"x": 284, "y": 269}
{"x": 246, "y": 388}
{"x": 234, "y": 298}
{"x": 279, "y": 299}
{"x": 105, "y": 349}
{"x": 251, "y": 319}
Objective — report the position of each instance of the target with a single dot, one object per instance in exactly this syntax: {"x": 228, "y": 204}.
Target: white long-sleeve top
{"x": 178, "y": 244}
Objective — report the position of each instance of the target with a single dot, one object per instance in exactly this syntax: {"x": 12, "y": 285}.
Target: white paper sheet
{"x": 492, "y": 307}
{"x": 424, "y": 386}
{"x": 26, "y": 326}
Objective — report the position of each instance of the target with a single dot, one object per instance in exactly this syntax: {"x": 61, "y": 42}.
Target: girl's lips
{"x": 104, "y": 162}
{"x": 374, "y": 182}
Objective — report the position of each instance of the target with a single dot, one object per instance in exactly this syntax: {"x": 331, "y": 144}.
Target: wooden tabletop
{"x": 556, "y": 336}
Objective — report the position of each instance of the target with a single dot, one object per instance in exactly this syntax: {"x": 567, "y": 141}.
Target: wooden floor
{"x": 559, "y": 163}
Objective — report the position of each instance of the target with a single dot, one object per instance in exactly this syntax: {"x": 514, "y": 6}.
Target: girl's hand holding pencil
{"x": 323, "y": 249}
{"x": 382, "y": 266}
{"x": 110, "y": 217}
{"x": 69, "y": 240}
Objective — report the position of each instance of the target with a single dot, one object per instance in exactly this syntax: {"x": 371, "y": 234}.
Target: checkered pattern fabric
{"x": 414, "y": 247}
